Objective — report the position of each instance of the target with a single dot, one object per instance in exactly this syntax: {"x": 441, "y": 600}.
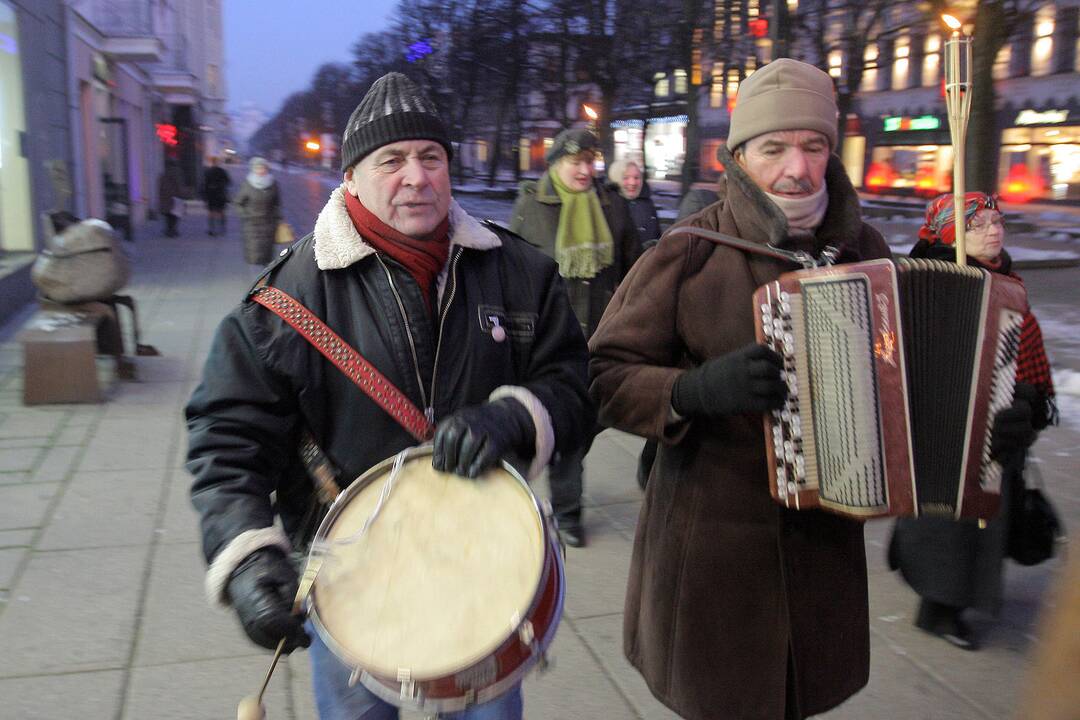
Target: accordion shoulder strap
{"x": 346, "y": 359}
{"x": 806, "y": 260}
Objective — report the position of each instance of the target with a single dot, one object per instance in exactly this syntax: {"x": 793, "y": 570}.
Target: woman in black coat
{"x": 626, "y": 178}
{"x": 954, "y": 565}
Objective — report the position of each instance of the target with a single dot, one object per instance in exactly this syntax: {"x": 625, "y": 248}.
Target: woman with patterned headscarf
{"x": 952, "y": 565}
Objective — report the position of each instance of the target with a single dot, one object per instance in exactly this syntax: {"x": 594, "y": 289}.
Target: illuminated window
{"x": 680, "y": 82}
{"x": 1042, "y": 50}
{"x": 931, "y": 64}
{"x": 481, "y": 151}
{"x": 1001, "y": 62}
{"x": 836, "y": 59}
{"x": 695, "y": 58}
{"x": 524, "y": 154}
{"x": 869, "y": 78}
{"x": 900, "y": 63}
{"x": 732, "y": 88}
{"x": 716, "y": 92}
{"x": 662, "y": 84}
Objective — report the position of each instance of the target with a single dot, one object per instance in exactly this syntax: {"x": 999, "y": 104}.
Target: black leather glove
{"x": 475, "y": 438}
{"x": 746, "y": 380}
{"x": 262, "y": 589}
{"x": 1014, "y": 429}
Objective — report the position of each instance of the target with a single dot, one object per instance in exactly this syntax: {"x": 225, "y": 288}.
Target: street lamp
{"x": 592, "y": 115}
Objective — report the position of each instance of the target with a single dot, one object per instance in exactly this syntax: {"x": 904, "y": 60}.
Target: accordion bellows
{"x": 895, "y": 373}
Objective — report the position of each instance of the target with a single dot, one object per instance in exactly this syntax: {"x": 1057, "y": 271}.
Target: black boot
{"x": 571, "y": 530}
{"x": 945, "y": 622}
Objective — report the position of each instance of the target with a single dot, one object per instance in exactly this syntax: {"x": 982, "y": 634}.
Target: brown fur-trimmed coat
{"x": 731, "y": 598}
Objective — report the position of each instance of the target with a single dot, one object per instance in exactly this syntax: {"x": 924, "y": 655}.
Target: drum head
{"x": 442, "y": 577}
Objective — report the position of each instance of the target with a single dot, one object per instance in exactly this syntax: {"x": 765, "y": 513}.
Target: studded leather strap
{"x": 347, "y": 360}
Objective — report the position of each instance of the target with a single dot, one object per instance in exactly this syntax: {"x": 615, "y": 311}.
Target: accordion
{"x": 895, "y": 372}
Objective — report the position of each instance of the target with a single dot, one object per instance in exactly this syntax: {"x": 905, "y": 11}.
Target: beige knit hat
{"x": 784, "y": 95}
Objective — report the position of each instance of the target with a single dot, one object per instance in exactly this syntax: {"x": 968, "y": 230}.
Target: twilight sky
{"x": 273, "y": 47}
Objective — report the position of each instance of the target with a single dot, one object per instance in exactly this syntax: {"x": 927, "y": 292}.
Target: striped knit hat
{"x": 393, "y": 109}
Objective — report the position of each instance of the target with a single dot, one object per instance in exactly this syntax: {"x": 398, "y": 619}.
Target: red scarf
{"x": 423, "y": 257}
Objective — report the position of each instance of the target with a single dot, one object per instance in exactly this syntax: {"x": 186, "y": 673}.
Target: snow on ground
{"x": 1067, "y": 391}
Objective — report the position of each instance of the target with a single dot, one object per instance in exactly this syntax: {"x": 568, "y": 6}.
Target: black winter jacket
{"x": 264, "y": 384}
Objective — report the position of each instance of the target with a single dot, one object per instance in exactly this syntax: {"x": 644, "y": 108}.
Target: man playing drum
{"x": 467, "y": 320}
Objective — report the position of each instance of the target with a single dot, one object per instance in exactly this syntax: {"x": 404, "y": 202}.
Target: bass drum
{"x": 452, "y": 592}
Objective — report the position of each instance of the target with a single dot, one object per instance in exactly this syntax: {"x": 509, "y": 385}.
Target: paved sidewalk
{"x": 102, "y": 613}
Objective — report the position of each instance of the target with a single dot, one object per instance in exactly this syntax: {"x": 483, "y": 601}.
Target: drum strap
{"x": 346, "y": 359}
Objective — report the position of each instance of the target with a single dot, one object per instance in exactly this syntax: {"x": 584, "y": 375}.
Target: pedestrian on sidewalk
{"x": 215, "y": 192}
{"x": 955, "y": 566}
{"x": 587, "y": 228}
{"x": 626, "y": 178}
{"x": 393, "y": 265}
{"x": 259, "y": 203}
{"x": 170, "y": 188}
{"x": 736, "y": 606}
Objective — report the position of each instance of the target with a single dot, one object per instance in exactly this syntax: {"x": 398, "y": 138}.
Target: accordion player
{"x": 895, "y": 372}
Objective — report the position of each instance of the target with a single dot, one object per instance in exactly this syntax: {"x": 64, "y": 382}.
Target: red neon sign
{"x": 167, "y": 134}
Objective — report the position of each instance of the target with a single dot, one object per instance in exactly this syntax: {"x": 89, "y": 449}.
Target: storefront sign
{"x": 1047, "y": 117}
{"x": 923, "y": 122}
{"x": 167, "y": 134}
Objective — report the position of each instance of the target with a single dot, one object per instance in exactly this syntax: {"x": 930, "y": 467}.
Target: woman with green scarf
{"x": 588, "y": 230}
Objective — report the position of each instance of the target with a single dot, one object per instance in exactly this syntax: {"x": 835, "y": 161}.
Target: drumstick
{"x": 251, "y": 707}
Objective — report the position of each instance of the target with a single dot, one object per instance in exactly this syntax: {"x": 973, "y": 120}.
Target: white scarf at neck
{"x": 804, "y": 213}
{"x": 260, "y": 182}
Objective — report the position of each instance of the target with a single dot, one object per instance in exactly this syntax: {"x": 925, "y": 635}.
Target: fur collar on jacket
{"x": 338, "y": 245}
{"x": 761, "y": 219}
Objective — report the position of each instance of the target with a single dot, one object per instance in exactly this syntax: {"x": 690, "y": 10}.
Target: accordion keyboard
{"x": 1002, "y": 385}
{"x": 826, "y": 438}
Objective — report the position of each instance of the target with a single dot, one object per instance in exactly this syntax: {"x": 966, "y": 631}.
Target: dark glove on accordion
{"x": 261, "y": 590}
{"x": 475, "y": 438}
{"x": 746, "y": 380}
{"x": 1014, "y": 430}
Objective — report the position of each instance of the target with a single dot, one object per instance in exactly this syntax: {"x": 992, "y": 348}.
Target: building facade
{"x": 35, "y": 131}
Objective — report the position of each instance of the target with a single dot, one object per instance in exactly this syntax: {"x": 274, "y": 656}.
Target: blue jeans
{"x": 337, "y": 701}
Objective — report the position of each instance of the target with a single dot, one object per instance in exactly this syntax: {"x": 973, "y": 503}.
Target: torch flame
{"x": 590, "y": 112}
{"x": 952, "y": 22}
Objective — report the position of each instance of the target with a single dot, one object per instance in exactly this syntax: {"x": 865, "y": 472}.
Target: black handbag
{"x": 1034, "y": 525}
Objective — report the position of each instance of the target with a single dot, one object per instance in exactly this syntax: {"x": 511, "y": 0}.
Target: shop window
{"x": 901, "y": 61}
{"x": 1042, "y": 49}
{"x": 1002, "y": 63}
{"x": 924, "y": 170}
{"x": 661, "y": 84}
{"x": 1040, "y": 163}
{"x": 524, "y": 155}
{"x": 870, "y": 73}
{"x": 931, "y": 64}
{"x": 16, "y": 227}
{"x": 680, "y": 82}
